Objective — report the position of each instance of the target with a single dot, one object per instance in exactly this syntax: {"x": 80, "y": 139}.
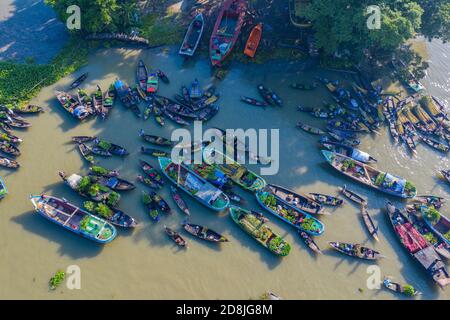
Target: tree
{"x": 435, "y": 20}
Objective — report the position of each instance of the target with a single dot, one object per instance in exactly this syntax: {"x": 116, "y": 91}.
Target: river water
{"x": 144, "y": 263}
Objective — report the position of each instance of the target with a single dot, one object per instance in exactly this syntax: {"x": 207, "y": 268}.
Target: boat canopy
{"x": 395, "y": 183}
{"x": 360, "y": 155}
{"x": 208, "y": 193}
{"x": 74, "y": 180}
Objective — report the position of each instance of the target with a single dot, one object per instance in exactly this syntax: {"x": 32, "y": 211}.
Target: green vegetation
{"x": 447, "y": 235}
{"x": 162, "y": 30}
{"x": 105, "y": 145}
{"x": 19, "y": 82}
{"x": 432, "y": 215}
{"x": 57, "y": 279}
{"x": 408, "y": 290}
{"x": 100, "y": 209}
{"x": 99, "y": 170}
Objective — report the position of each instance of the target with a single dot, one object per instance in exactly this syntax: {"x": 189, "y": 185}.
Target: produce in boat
{"x": 226, "y": 30}
{"x": 253, "y": 40}
{"x": 8, "y": 163}
{"x": 27, "y": 109}
{"x": 151, "y": 172}
{"x": 127, "y": 97}
{"x": 269, "y": 96}
{"x": 356, "y": 250}
{"x": 353, "y": 196}
{"x": 193, "y": 35}
{"x": 149, "y": 182}
{"x": 160, "y": 141}
{"x": 142, "y": 75}
{"x": 417, "y": 246}
{"x": 310, "y": 129}
{"x": 86, "y": 152}
{"x": 406, "y": 289}
{"x": 379, "y": 180}
{"x": 152, "y": 83}
{"x": 74, "y": 219}
{"x": 100, "y": 171}
{"x": 73, "y": 106}
{"x": 112, "y": 215}
{"x": 437, "y": 222}
{"x": 150, "y": 206}
{"x": 110, "y": 147}
{"x": 113, "y": 183}
{"x": 3, "y": 189}
{"x": 203, "y": 233}
{"x": 261, "y": 232}
{"x": 254, "y": 102}
{"x": 9, "y": 148}
{"x": 326, "y": 199}
{"x": 175, "y": 236}
{"x": 309, "y": 241}
{"x": 194, "y": 185}
{"x": 300, "y": 201}
{"x": 235, "y": 171}
{"x": 155, "y": 152}
{"x": 290, "y": 214}
{"x": 179, "y": 200}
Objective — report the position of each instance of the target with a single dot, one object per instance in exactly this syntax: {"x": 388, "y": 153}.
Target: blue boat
{"x": 3, "y": 189}
{"x": 74, "y": 219}
{"x": 437, "y": 222}
{"x": 290, "y": 214}
{"x": 194, "y": 185}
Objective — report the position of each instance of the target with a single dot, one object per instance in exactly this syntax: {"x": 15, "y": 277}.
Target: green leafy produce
{"x": 408, "y": 290}
{"x": 57, "y": 279}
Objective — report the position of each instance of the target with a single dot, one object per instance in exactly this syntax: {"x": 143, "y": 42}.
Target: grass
{"x": 19, "y": 82}
{"x": 162, "y": 30}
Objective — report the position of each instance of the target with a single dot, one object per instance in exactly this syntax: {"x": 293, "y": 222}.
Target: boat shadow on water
{"x": 70, "y": 244}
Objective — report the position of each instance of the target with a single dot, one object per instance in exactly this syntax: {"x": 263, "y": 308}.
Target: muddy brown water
{"x": 144, "y": 263}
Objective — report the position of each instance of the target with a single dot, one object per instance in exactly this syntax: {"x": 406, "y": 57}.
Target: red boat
{"x": 226, "y": 30}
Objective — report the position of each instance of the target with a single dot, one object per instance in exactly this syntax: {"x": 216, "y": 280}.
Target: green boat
{"x": 255, "y": 226}
{"x": 234, "y": 170}
{"x": 194, "y": 185}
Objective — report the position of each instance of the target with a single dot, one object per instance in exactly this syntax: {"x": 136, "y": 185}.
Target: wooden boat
{"x": 417, "y": 246}
{"x": 195, "y": 91}
{"x": 16, "y": 123}
{"x": 27, "y": 109}
{"x": 353, "y": 196}
{"x": 86, "y": 152}
{"x": 150, "y": 206}
{"x": 127, "y": 97}
{"x": 343, "y": 140}
{"x": 379, "y": 180}
{"x": 403, "y": 289}
{"x": 193, "y": 36}
{"x": 309, "y": 241}
{"x": 226, "y": 30}
{"x": 97, "y": 101}
{"x": 99, "y": 151}
{"x": 72, "y": 105}
{"x": 85, "y": 187}
{"x": 162, "y": 76}
{"x": 258, "y": 230}
{"x": 303, "y": 86}
{"x": 155, "y": 152}
{"x": 269, "y": 96}
{"x": 175, "y": 236}
{"x": 414, "y": 217}
{"x": 3, "y": 189}
{"x": 194, "y": 185}
{"x": 9, "y": 163}
{"x": 152, "y": 83}
{"x": 325, "y": 199}
{"x": 78, "y": 81}
{"x": 356, "y": 251}
{"x": 74, "y": 219}
{"x": 445, "y": 174}
{"x": 349, "y": 152}
{"x": 430, "y": 200}
{"x": 370, "y": 225}
{"x": 100, "y": 171}
{"x": 160, "y": 141}
{"x": 149, "y": 182}
{"x": 344, "y": 126}
{"x": 437, "y": 222}
{"x": 10, "y": 138}
{"x": 254, "y": 102}
{"x": 159, "y": 117}
{"x": 113, "y": 215}
{"x": 9, "y": 148}
{"x": 175, "y": 118}
{"x": 5, "y": 128}
{"x": 114, "y": 183}
{"x": 289, "y": 213}
{"x": 253, "y": 41}
{"x": 299, "y": 201}
{"x": 160, "y": 202}
{"x": 204, "y": 233}
{"x": 435, "y": 144}
{"x": 142, "y": 75}
{"x": 83, "y": 139}
{"x": 179, "y": 200}
{"x": 238, "y": 173}
{"x": 111, "y": 147}
{"x": 108, "y": 100}
{"x": 310, "y": 129}
{"x": 317, "y": 112}
{"x": 151, "y": 172}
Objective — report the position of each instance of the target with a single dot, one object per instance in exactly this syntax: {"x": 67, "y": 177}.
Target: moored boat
{"x": 254, "y": 102}
{"x": 407, "y": 289}
{"x": 238, "y": 173}
{"x": 83, "y": 139}
{"x": 142, "y": 75}
{"x": 259, "y": 230}
{"x": 160, "y": 141}
{"x": 27, "y": 109}
{"x": 300, "y": 201}
{"x": 112, "y": 215}
{"x": 111, "y": 147}
{"x": 155, "y": 152}
{"x": 100, "y": 171}
{"x": 175, "y": 236}
{"x": 437, "y": 222}
{"x": 193, "y": 35}
{"x": 86, "y": 152}
{"x": 203, "y": 233}
{"x": 78, "y": 81}
{"x": 290, "y": 214}
{"x": 226, "y": 30}
{"x": 356, "y": 250}
{"x": 379, "y": 180}
{"x": 370, "y": 225}
{"x": 127, "y": 97}
{"x": 74, "y": 219}
{"x": 253, "y": 41}
{"x": 353, "y": 196}
{"x": 349, "y": 152}
{"x": 72, "y": 105}
{"x": 150, "y": 206}
{"x": 151, "y": 172}
{"x": 309, "y": 241}
{"x": 310, "y": 129}
{"x": 9, "y": 163}
{"x": 194, "y": 185}
{"x": 417, "y": 246}
{"x": 435, "y": 144}
{"x": 152, "y": 83}
{"x": 114, "y": 183}
{"x": 9, "y": 148}
{"x": 326, "y": 199}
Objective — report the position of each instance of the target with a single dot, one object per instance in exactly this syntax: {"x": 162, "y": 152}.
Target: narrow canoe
{"x": 179, "y": 200}
{"x": 193, "y": 36}
{"x": 175, "y": 236}
{"x": 204, "y": 233}
{"x": 370, "y": 225}
{"x": 300, "y": 201}
{"x": 353, "y": 196}
{"x": 356, "y": 251}
{"x": 309, "y": 241}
